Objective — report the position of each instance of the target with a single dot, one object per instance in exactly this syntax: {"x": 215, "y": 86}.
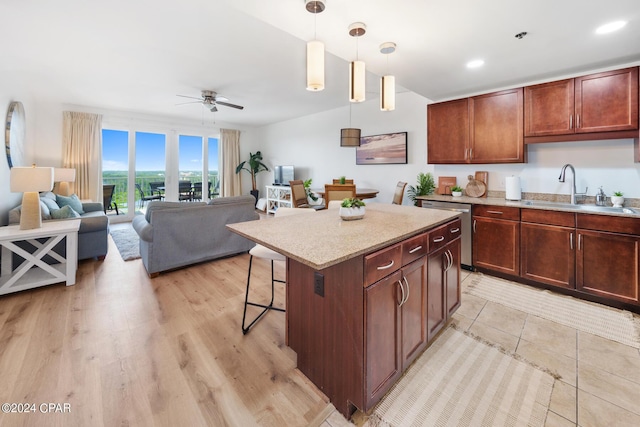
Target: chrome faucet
{"x": 573, "y": 181}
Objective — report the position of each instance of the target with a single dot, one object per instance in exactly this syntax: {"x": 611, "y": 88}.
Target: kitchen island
{"x": 365, "y": 297}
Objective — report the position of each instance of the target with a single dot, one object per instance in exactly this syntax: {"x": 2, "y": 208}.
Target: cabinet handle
{"x": 454, "y": 230}
{"x": 402, "y": 290}
{"x": 465, "y": 153}
{"x": 451, "y": 264}
{"x": 416, "y": 249}
{"x": 384, "y": 267}
{"x": 407, "y": 282}
{"x": 577, "y": 121}
{"x": 571, "y": 240}
{"x": 446, "y": 255}
{"x": 571, "y": 121}
{"x": 438, "y": 239}
{"x": 579, "y": 242}
{"x": 495, "y": 212}
{"x": 474, "y": 226}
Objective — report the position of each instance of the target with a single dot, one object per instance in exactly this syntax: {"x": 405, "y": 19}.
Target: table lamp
{"x": 30, "y": 181}
{"x": 64, "y": 176}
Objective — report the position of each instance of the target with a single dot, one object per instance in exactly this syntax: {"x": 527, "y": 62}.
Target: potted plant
{"x": 617, "y": 199}
{"x": 351, "y": 209}
{"x": 312, "y": 197}
{"x": 425, "y": 186}
{"x": 343, "y": 179}
{"x": 254, "y": 165}
{"x": 456, "y": 191}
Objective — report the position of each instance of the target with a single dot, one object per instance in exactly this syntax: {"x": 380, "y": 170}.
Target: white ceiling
{"x": 138, "y": 55}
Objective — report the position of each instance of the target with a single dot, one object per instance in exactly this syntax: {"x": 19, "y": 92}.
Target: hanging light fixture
{"x": 350, "y": 137}
{"x": 387, "y": 82}
{"x": 315, "y": 51}
{"x": 357, "y": 67}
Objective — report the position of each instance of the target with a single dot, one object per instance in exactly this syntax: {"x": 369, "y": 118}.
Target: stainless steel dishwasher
{"x": 465, "y": 210}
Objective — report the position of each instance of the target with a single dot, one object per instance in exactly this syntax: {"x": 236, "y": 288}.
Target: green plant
{"x": 618, "y": 193}
{"x": 456, "y": 189}
{"x": 307, "y": 187}
{"x": 353, "y": 202}
{"x": 254, "y": 165}
{"x": 425, "y": 186}
{"x": 343, "y": 179}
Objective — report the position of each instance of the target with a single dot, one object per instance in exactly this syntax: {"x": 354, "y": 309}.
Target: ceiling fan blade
{"x": 226, "y": 104}
{"x": 192, "y": 97}
{"x": 190, "y": 102}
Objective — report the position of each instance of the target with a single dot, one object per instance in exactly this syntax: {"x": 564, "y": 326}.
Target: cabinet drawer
{"x": 414, "y": 248}
{"x": 540, "y": 216}
{"x": 615, "y": 224}
{"x": 439, "y": 237}
{"x": 382, "y": 263}
{"x": 501, "y": 212}
{"x": 454, "y": 229}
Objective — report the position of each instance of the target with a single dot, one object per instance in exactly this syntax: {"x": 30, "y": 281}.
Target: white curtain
{"x": 230, "y": 184}
{"x": 82, "y": 145}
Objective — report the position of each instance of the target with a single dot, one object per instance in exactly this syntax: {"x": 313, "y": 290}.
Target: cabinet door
{"x": 414, "y": 310}
{"x": 448, "y": 132}
{"x": 549, "y": 108}
{"x": 607, "y": 101}
{"x": 436, "y": 312}
{"x": 452, "y": 278}
{"x": 496, "y": 245}
{"x": 608, "y": 265}
{"x": 547, "y": 254}
{"x": 382, "y": 335}
{"x": 496, "y": 123}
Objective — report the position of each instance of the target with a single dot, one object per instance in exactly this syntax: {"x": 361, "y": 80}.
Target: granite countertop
{"x": 500, "y": 201}
{"x": 323, "y": 239}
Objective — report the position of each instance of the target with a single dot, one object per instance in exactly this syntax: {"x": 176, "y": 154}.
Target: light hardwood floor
{"x": 123, "y": 349}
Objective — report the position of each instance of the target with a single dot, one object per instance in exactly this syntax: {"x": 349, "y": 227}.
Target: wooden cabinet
{"x": 496, "y": 238}
{"x": 482, "y": 129}
{"x": 593, "y": 104}
{"x": 547, "y": 247}
{"x": 608, "y": 257}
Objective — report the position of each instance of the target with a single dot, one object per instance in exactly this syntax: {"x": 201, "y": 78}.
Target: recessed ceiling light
{"x": 610, "y": 27}
{"x": 475, "y": 63}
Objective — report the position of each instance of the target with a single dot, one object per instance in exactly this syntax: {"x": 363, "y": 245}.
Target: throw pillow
{"x": 51, "y": 204}
{"x": 45, "y": 212}
{"x": 71, "y": 201}
{"x": 64, "y": 212}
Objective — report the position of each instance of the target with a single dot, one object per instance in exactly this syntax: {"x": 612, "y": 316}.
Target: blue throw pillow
{"x": 50, "y": 203}
{"x": 71, "y": 201}
{"x": 64, "y": 212}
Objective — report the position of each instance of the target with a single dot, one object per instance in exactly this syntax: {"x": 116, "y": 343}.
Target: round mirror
{"x": 14, "y": 134}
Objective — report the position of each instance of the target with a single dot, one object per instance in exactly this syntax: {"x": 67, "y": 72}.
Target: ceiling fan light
{"x": 388, "y": 93}
{"x": 350, "y": 137}
{"x": 315, "y": 65}
{"x": 357, "y": 81}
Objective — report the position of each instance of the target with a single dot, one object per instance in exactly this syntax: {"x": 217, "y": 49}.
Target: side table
{"x": 34, "y": 271}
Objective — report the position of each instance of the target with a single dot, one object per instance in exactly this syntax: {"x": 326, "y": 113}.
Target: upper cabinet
{"x": 597, "y": 106}
{"x": 482, "y": 129}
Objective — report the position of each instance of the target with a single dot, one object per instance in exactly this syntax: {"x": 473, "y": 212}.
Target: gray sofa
{"x": 175, "y": 234}
{"x": 92, "y": 235}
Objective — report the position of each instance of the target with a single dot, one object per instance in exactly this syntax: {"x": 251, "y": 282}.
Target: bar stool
{"x": 260, "y": 251}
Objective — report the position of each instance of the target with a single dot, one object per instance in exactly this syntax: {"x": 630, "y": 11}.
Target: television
{"x": 282, "y": 174}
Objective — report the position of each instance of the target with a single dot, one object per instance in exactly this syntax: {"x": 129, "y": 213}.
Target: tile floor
{"x": 600, "y": 384}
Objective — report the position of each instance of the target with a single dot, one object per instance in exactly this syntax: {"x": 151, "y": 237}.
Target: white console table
{"x": 34, "y": 271}
{"x": 278, "y": 195}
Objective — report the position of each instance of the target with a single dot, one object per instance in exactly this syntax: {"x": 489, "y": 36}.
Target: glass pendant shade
{"x": 388, "y": 93}
{"x": 315, "y": 65}
{"x": 357, "y": 81}
{"x": 349, "y": 137}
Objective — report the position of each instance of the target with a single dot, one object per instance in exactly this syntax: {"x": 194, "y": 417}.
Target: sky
{"x": 150, "y": 151}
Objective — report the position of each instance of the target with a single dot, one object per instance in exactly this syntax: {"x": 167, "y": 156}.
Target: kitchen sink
{"x": 585, "y": 208}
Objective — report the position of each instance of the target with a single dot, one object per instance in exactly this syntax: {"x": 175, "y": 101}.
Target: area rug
{"x": 463, "y": 381}
{"x": 610, "y": 323}
{"x": 127, "y": 242}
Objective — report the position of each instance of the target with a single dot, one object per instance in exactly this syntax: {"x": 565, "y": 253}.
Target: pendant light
{"x": 315, "y": 51}
{"x": 387, "y": 82}
{"x": 357, "y": 68}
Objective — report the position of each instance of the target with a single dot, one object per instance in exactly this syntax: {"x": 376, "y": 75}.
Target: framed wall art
{"x": 385, "y": 149}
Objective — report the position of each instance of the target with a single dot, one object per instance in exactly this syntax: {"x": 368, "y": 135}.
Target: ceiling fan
{"x": 211, "y": 100}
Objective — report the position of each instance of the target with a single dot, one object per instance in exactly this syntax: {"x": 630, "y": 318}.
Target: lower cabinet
{"x": 443, "y": 291}
{"x": 496, "y": 238}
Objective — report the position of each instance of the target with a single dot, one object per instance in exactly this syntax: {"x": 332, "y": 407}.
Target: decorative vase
{"x": 456, "y": 193}
{"x": 617, "y": 201}
{"x": 350, "y": 214}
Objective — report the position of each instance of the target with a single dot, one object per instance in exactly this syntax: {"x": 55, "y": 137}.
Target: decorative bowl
{"x": 456, "y": 193}
{"x": 350, "y": 214}
{"x": 617, "y": 201}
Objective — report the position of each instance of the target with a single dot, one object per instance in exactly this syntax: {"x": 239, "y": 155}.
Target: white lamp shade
{"x": 64, "y": 175}
{"x": 388, "y": 93}
{"x": 356, "y": 81}
{"x": 315, "y": 65}
{"x": 25, "y": 179}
